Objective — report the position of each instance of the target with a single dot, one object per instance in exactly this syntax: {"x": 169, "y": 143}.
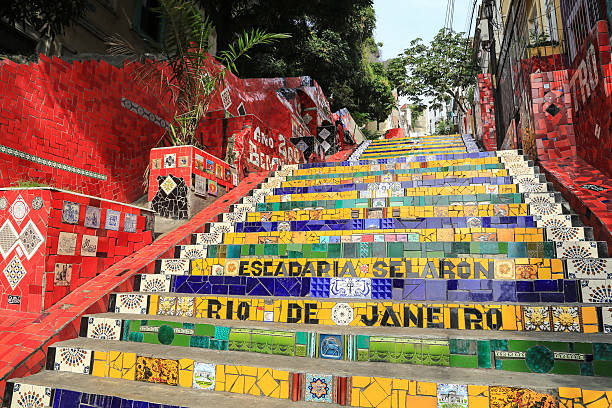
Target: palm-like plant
{"x": 184, "y": 75}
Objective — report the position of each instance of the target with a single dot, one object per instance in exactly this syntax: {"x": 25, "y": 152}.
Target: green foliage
{"x": 445, "y": 127}
{"x": 436, "y": 72}
{"x": 370, "y": 134}
{"x": 330, "y": 42}
{"x": 30, "y": 183}
{"x": 48, "y": 17}
{"x": 192, "y": 80}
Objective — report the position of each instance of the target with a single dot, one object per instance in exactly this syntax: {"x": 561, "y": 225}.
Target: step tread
{"x": 445, "y": 375}
{"x": 155, "y": 393}
{"x": 425, "y": 333}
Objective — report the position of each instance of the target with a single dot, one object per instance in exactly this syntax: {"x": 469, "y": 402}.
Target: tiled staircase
{"x": 420, "y": 273}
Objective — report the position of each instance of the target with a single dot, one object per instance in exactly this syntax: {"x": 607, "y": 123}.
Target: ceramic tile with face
{"x": 103, "y": 328}
{"x": 62, "y": 274}
{"x": 156, "y": 164}
{"x": 74, "y": 360}
{"x": 170, "y": 161}
{"x": 92, "y": 217}
{"x": 183, "y": 161}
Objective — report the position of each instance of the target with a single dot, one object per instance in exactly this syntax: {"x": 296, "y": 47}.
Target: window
{"x": 543, "y": 23}
{"x": 147, "y": 22}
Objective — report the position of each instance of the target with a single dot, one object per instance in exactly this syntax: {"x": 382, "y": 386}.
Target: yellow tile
{"x": 129, "y": 366}
{"x": 238, "y": 386}
{"x": 375, "y": 394}
{"x": 185, "y": 378}
{"x": 421, "y": 402}
{"x": 474, "y": 390}
{"x": 479, "y": 402}
{"x": 115, "y": 366}
{"x": 100, "y": 364}
{"x": 589, "y": 396}
{"x": 427, "y": 388}
{"x": 249, "y": 382}
{"x": 589, "y": 315}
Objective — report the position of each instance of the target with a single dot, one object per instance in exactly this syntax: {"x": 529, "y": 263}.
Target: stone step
{"x": 374, "y": 312}
{"x": 268, "y": 196}
{"x": 272, "y": 373}
{"x": 66, "y": 389}
{"x": 560, "y": 234}
{"x": 440, "y": 249}
{"x": 447, "y": 290}
{"x": 399, "y": 171}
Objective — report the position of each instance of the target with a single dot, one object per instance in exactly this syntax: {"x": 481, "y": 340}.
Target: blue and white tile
{"x": 72, "y": 359}
{"x": 576, "y": 249}
{"x": 30, "y": 396}
{"x": 596, "y": 291}
{"x": 350, "y": 288}
{"x": 103, "y": 328}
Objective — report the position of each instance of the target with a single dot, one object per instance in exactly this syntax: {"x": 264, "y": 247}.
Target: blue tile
{"x": 435, "y": 289}
{"x": 468, "y": 284}
{"x": 481, "y": 296}
{"x": 220, "y": 289}
{"x": 451, "y": 284}
{"x": 545, "y": 285}
{"x": 524, "y": 286}
{"x": 527, "y": 297}
{"x": 237, "y": 290}
{"x": 458, "y": 295}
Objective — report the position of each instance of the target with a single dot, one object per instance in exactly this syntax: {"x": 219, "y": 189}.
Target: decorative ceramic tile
{"x": 168, "y": 185}
{"x": 175, "y": 266}
{"x": 155, "y": 283}
{"x": 532, "y": 198}
{"x": 504, "y": 269}
{"x": 183, "y": 161}
{"x": 92, "y": 217}
{"x": 576, "y": 249}
{"x": 30, "y": 239}
{"x": 70, "y": 212}
{"x": 331, "y": 346}
{"x": 226, "y": 98}
{"x": 589, "y": 268}
{"x": 596, "y": 291}
{"x": 166, "y": 306}
{"x": 231, "y": 267}
{"x": 37, "y": 203}
{"x": 66, "y": 243}
{"x": 157, "y": 370}
{"x": 193, "y": 251}
{"x": 217, "y": 270}
{"x": 528, "y": 184}
{"x": 319, "y": 388}
{"x": 358, "y": 288}
{"x": 184, "y": 306}
{"x": 200, "y": 185}
{"x": 19, "y": 209}
{"x": 89, "y": 245}
{"x": 156, "y": 164}
{"x": 169, "y": 161}
{"x": 62, "y": 274}
{"x": 204, "y": 376}
{"x": 566, "y": 319}
{"x": 130, "y": 222}
{"x": 131, "y": 303}
{"x": 30, "y": 396}
{"x": 452, "y": 395}
{"x": 268, "y": 316}
{"x": 103, "y": 328}
{"x": 553, "y": 221}
{"x": 14, "y": 272}
{"x": 213, "y": 188}
{"x": 563, "y": 233}
{"x": 113, "y": 219}
{"x": 9, "y": 238}
{"x": 342, "y": 314}
{"x": 536, "y": 318}
{"x": 75, "y": 360}
{"x": 3, "y": 203}
{"x": 606, "y": 313}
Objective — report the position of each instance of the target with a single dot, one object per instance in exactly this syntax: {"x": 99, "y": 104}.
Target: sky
{"x": 400, "y": 21}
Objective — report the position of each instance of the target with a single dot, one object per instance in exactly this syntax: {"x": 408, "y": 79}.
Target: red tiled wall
{"x": 37, "y": 288}
{"x": 591, "y": 101}
{"x": 553, "y": 115}
{"x": 487, "y": 110}
{"x": 71, "y": 114}
{"x": 192, "y": 166}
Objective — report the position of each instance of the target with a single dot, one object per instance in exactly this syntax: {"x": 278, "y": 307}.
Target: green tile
{"x": 271, "y": 250}
{"x": 484, "y": 354}
{"x": 301, "y": 337}
{"x": 457, "y": 360}
{"x": 395, "y": 249}
{"x": 515, "y": 365}
{"x": 259, "y": 249}
{"x": 566, "y": 367}
{"x": 334, "y": 250}
{"x": 204, "y": 330}
{"x": 363, "y": 341}
{"x": 461, "y": 346}
{"x": 603, "y": 368}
